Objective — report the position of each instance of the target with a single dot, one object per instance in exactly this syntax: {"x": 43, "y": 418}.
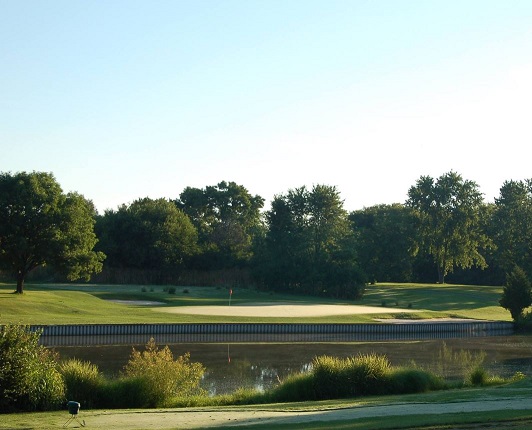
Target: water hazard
{"x": 231, "y": 365}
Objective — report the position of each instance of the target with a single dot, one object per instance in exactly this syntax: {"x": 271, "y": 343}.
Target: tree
{"x": 147, "y": 234}
{"x": 227, "y": 218}
{"x": 385, "y": 235}
{"x": 512, "y": 225}
{"x": 309, "y": 246}
{"x": 450, "y": 213}
{"x": 517, "y": 294}
{"x": 40, "y": 225}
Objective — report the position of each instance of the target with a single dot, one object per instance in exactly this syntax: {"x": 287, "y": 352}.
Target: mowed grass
{"x": 171, "y": 418}
{"x": 90, "y": 303}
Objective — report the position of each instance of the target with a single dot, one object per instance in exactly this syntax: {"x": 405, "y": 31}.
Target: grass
{"x": 89, "y": 303}
{"x": 81, "y": 303}
{"x": 162, "y": 418}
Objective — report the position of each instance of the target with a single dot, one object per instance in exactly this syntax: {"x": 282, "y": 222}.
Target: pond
{"x": 262, "y": 365}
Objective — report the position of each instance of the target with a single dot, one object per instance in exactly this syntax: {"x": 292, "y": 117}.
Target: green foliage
{"x": 464, "y": 363}
{"x": 362, "y": 375}
{"x": 517, "y": 293}
{"x": 297, "y": 387}
{"x": 148, "y": 234}
{"x": 309, "y": 247}
{"x": 478, "y": 376}
{"x": 83, "y": 382}
{"x": 512, "y": 225}
{"x": 450, "y": 213}
{"x": 523, "y": 324}
{"x": 353, "y": 376}
{"x": 29, "y": 378}
{"x": 413, "y": 380}
{"x": 385, "y": 237}
{"x": 228, "y": 221}
{"x": 39, "y": 225}
{"x": 159, "y": 377}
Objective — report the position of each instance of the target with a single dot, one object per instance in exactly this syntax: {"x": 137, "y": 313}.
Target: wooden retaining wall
{"x": 459, "y": 328}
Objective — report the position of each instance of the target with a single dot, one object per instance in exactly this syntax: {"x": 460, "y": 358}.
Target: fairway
{"x": 281, "y": 310}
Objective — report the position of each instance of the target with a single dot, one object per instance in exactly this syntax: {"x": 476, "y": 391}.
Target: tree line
{"x": 306, "y": 242}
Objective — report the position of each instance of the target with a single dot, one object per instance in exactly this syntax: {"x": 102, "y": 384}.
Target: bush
{"x": 368, "y": 374}
{"x": 523, "y": 324}
{"x": 83, "y": 382}
{"x": 126, "y": 392}
{"x": 343, "y": 377}
{"x": 29, "y": 378}
{"x": 298, "y": 387}
{"x": 479, "y": 377}
{"x": 158, "y": 377}
{"x": 516, "y": 295}
{"x": 408, "y": 380}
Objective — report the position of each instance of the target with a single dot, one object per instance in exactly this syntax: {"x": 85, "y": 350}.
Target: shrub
{"x": 158, "y": 377}
{"x": 368, "y": 374}
{"x": 412, "y": 380}
{"x": 171, "y": 290}
{"x": 126, "y": 392}
{"x": 523, "y": 324}
{"x": 342, "y": 377}
{"x": 516, "y": 295}
{"x": 29, "y": 378}
{"x": 298, "y": 387}
{"x": 478, "y": 376}
{"x": 329, "y": 377}
{"x": 83, "y": 382}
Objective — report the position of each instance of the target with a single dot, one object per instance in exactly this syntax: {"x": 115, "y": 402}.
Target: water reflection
{"x": 263, "y": 365}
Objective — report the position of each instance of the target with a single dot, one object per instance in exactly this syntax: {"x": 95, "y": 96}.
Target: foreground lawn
{"x": 317, "y": 415}
{"x": 90, "y": 304}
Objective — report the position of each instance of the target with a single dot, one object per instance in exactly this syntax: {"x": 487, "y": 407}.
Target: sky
{"x": 122, "y": 100}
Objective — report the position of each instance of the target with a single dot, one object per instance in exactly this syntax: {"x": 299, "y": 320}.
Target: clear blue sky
{"x": 128, "y": 99}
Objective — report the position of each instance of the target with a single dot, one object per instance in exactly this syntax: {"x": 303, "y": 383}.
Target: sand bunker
{"x": 285, "y": 311}
{"x": 137, "y": 302}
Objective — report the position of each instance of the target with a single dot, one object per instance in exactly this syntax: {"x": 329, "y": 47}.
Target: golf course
{"x": 507, "y": 404}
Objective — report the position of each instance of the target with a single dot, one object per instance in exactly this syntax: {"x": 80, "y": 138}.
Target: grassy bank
{"x": 89, "y": 304}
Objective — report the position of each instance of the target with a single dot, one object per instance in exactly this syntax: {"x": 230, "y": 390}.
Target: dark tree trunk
{"x": 20, "y": 282}
{"x": 441, "y": 275}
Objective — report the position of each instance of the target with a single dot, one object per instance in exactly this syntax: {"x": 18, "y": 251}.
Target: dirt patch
{"x": 283, "y": 310}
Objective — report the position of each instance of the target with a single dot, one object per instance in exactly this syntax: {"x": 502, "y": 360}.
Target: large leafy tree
{"x": 512, "y": 225}
{"x": 40, "y": 225}
{"x": 450, "y": 213}
{"x": 227, "y": 218}
{"x": 309, "y": 246}
{"x": 147, "y": 234}
{"x": 385, "y": 236}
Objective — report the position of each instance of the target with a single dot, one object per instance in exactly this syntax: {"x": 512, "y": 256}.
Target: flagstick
{"x": 230, "y": 295}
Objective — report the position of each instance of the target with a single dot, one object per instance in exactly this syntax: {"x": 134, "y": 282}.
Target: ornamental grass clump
{"x": 157, "y": 377}
{"x": 451, "y": 363}
{"x": 414, "y": 380}
{"x": 83, "y": 382}
{"x": 353, "y": 376}
{"x": 298, "y": 387}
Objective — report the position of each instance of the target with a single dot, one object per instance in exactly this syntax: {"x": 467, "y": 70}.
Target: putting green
{"x": 281, "y": 310}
